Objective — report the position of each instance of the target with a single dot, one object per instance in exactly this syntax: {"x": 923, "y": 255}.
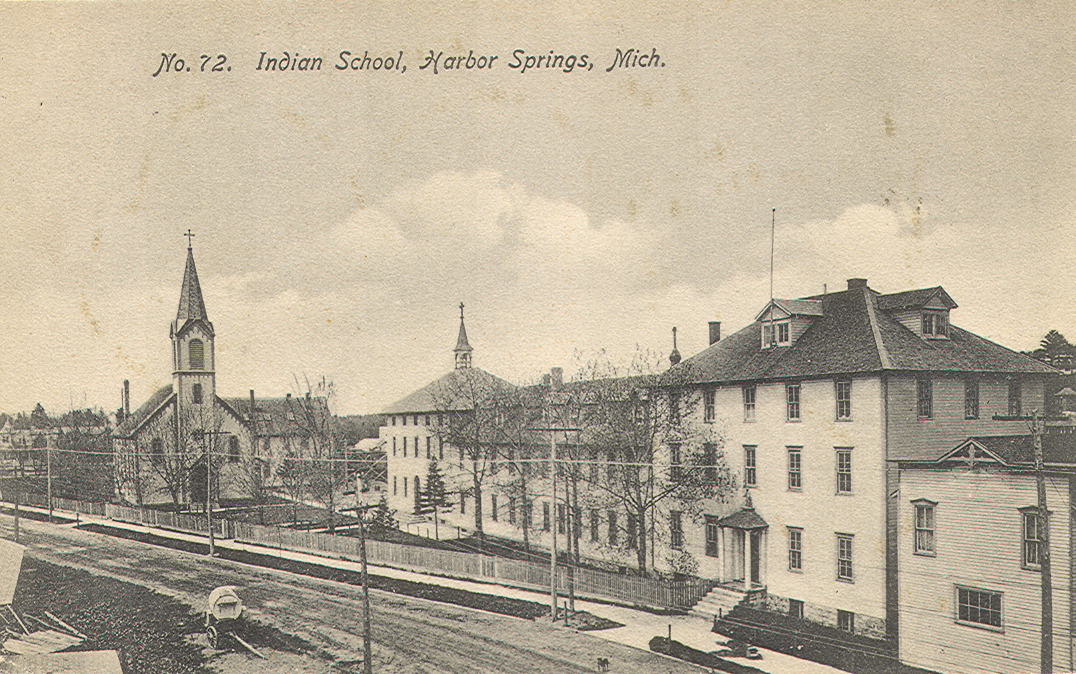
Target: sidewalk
{"x": 639, "y": 627}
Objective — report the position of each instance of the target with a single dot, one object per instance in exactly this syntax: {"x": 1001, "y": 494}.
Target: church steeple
{"x": 463, "y": 348}
{"x": 192, "y": 333}
{"x": 191, "y": 304}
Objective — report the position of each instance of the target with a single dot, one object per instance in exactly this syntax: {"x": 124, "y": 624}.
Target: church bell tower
{"x": 193, "y": 355}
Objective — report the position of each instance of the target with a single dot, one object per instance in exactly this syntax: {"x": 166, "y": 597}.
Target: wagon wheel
{"x": 213, "y": 636}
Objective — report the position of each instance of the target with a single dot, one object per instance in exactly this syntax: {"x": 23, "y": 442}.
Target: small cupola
{"x": 463, "y": 349}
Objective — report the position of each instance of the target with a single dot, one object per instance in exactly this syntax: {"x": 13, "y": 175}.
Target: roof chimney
{"x": 557, "y": 377}
{"x": 715, "y": 332}
{"x": 126, "y": 398}
{"x": 251, "y": 403}
{"x": 854, "y": 283}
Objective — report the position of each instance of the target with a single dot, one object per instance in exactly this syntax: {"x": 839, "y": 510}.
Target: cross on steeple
{"x": 189, "y": 235}
{"x": 461, "y": 311}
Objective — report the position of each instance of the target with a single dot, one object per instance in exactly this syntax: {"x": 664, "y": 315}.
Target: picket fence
{"x": 666, "y": 595}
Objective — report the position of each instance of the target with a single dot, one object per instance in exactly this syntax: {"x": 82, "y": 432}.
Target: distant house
{"x": 970, "y": 550}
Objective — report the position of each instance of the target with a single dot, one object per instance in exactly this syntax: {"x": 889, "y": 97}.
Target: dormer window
{"x": 935, "y": 324}
{"x": 776, "y": 334}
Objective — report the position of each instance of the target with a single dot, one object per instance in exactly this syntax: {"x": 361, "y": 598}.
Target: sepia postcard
{"x": 553, "y": 337}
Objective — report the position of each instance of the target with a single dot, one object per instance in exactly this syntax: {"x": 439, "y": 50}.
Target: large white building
{"x": 810, "y": 407}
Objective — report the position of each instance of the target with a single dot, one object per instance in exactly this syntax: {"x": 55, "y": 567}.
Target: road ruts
{"x": 410, "y": 634}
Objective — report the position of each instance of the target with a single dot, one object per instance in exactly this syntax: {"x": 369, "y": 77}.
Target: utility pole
{"x": 48, "y": 473}
{"x": 367, "y": 648}
{"x": 552, "y": 557}
{"x": 1047, "y": 644}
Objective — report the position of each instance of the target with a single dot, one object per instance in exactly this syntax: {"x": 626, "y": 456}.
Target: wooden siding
{"x": 978, "y": 540}
{"x": 913, "y": 438}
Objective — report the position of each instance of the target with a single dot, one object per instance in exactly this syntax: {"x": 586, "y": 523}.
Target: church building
{"x": 161, "y": 447}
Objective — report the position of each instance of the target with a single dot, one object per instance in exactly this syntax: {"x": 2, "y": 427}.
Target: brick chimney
{"x": 715, "y": 332}
{"x": 556, "y": 376}
{"x": 126, "y": 398}
{"x": 251, "y": 403}
{"x": 854, "y": 283}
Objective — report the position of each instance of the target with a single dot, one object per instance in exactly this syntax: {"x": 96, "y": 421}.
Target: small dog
{"x": 603, "y": 664}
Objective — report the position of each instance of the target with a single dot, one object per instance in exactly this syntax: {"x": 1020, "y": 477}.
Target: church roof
{"x": 284, "y": 416}
{"x": 191, "y": 304}
{"x": 138, "y": 417}
{"x": 450, "y": 392}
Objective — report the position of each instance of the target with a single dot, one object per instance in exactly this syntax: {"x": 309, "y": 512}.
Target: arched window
{"x": 233, "y": 449}
{"x": 197, "y": 353}
{"x": 196, "y": 393}
{"x": 157, "y": 451}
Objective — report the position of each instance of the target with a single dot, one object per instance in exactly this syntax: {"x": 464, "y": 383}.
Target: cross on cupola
{"x": 463, "y": 348}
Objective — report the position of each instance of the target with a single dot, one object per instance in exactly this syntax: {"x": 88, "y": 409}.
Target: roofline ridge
{"x": 883, "y": 354}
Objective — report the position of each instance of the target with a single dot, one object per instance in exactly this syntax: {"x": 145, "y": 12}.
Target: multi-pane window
{"x": 750, "y": 466}
{"x": 632, "y": 531}
{"x": 749, "y": 403}
{"x": 545, "y": 516}
{"x": 511, "y": 509}
{"x": 441, "y": 449}
{"x": 924, "y": 389}
{"x": 844, "y": 399}
{"x": 795, "y": 468}
{"x": 233, "y": 449}
{"x": 792, "y": 398}
{"x": 846, "y": 620}
{"x": 429, "y": 443}
{"x": 674, "y": 407}
{"x": 795, "y": 549}
{"x": 196, "y": 394}
{"x": 844, "y": 470}
{"x": 978, "y": 606}
{"x": 1033, "y": 534}
{"x": 844, "y": 557}
{"x": 463, "y": 499}
{"x": 612, "y": 527}
{"x": 783, "y": 333}
{"x": 935, "y": 323}
{"x": 493, "y": 507}
{"x": 394, "y": 445}
{"x": 924, "y": 528}
{"x": 197, "y": 354}
{"x": 675, "y": 470}
{"x": 676, "y": 530}
{"x": 562, "y": 515}
{"x": 595, "y": 522}
{"x": 971, "y": 399}
{"x": 394, "y": 489}
{"x": 405, "y": 446}
{"x": 711, "y": 536}
{"x": 708, "y": 414}
{"x": 709, "y": 454}
{"x": 1014, "y": 398}
{"x": 156, "y": 451}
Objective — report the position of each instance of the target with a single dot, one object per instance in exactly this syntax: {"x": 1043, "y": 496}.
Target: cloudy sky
{"x": 340, "y": 217}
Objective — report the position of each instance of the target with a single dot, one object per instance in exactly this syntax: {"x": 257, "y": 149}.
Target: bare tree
{"x": 476, "y": 405}
{"x": 637, "y": 453}
{"x": 321, "y": 451}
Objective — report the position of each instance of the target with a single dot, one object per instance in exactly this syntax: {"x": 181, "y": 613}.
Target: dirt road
{"x": 410, "y": 635}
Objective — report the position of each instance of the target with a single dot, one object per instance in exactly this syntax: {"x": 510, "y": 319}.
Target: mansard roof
{"x": 853, "y": 335}
{"x": 456, "y": 390}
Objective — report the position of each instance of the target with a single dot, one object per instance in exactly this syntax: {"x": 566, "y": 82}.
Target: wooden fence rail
{"x": 635, "y": 590}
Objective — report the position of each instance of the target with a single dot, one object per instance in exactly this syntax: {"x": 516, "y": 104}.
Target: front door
{"x": 756, "y": 555}
{"x": 736, "y": 558}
